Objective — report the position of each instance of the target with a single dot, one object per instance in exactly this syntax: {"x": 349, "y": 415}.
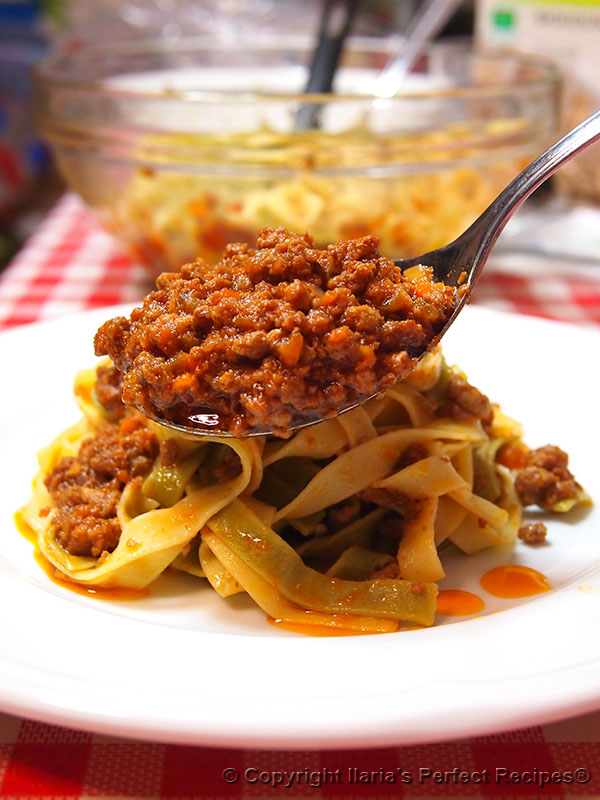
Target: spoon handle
{"x": 493, "y": 220}
{"x": 336, "y": 21}
{"x": 427, "y": 22}
{"x": 334, "y": 29}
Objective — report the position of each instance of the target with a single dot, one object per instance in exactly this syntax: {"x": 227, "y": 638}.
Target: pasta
{"x": 423, "y": 189}
{"x": 341, "y": 527}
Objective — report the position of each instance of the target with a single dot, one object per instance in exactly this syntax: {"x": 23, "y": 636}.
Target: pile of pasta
{"x": 314, "y": 182}
{"x": 291, "y": 526}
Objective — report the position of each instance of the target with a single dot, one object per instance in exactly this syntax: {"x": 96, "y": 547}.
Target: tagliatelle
{"x": 336, "y": 528}
{"x": 279, "y": 608}
{"x": 151, "y": 541}
{"x": 425, "y": 188}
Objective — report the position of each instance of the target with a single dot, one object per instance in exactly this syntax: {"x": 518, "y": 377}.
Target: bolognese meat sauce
{"x": 86, "y": 488}
{"x": 545, "y": 479}
{"x": 274, "y": 335}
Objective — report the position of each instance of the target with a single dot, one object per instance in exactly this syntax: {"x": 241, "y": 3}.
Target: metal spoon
{"x": 460, "y": 263}
{"x": 469, "y": 253}
{"x": 425, "y": 25}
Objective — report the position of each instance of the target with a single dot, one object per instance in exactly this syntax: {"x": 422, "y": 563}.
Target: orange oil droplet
{"x": 106, "y": 593}
{"x": 514, "y": 580}
{"x": 457, "y": 603}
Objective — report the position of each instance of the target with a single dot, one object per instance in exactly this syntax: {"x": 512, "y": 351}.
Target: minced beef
{"x": 464, "y": 401}
{"x": 391, "y": 570}
{"x": 406, "y": 506}
{"x": 108, "y": 389}
{"x": 169, "y": 452}
{"x": 545, "y": 479}
{"x": 86, "y": 488}
{"x": 533, "y": 532}
{"x": 271, "y": 336}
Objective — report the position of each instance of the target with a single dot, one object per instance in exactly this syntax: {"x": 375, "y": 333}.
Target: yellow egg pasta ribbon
{"x": 367, "y": 463}
{"x": 149, "y": 542}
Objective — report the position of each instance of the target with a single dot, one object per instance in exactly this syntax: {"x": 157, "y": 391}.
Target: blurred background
{"x": 29, "y": 180}
{"x": 38, "y": 157}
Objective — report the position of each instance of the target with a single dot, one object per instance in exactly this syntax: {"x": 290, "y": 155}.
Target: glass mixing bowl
{"x": 183, "y": 147}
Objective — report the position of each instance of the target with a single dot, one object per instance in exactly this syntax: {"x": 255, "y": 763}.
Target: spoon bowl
{"x": 458, "y": 264}
{"x": 202, "y": 425}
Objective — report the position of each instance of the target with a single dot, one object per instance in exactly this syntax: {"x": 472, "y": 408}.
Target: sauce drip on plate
{"x": 458, "y": 603}
{"x": 106, "y": 593}
{"x": 514, "y": 580}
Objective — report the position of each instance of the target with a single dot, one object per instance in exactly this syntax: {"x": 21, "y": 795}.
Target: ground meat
{"x": 413, "y": 453}
{"x": 391, "y": 570}
{"x": 548, "y": 457}
{"x": 391, "y": 527}
{"x": 533, "y": 532}
{"x": 225, "y": 469}
{"x": 108, "y": 390}
{"x": 86, "y": 488}
{"x": 406, "y": 506}
{"x": 343, "y": 513}
{"x": 466, "y": 401}
{"x": 169, "y": 452}
{"x": 545, "y": 479}
{"x": 274, "y": 335}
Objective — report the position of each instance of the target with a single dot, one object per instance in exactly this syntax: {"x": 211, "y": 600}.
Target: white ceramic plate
{"x": 183, "y": 665}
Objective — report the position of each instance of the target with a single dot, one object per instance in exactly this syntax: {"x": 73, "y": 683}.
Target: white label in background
{"x": 568, "y": 32}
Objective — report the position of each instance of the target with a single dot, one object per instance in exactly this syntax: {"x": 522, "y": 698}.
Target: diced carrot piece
{"x": 512, "y": 455}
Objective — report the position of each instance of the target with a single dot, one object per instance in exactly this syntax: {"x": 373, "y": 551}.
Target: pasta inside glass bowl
{"x": 184, "y": 148}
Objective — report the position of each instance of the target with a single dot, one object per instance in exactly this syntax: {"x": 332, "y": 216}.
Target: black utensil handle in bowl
{"x": 336, "y": 21}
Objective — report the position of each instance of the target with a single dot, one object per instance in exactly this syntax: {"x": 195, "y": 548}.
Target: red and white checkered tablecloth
{"x": 70, "y": 265}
